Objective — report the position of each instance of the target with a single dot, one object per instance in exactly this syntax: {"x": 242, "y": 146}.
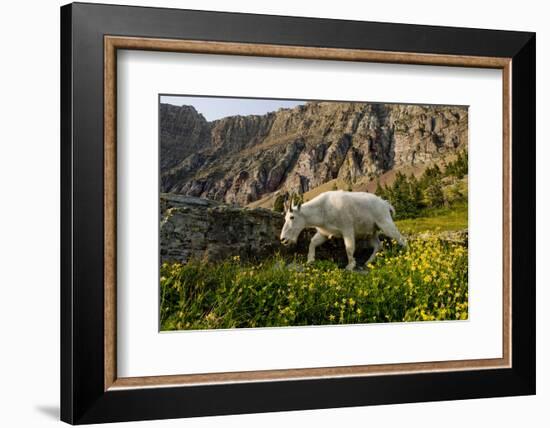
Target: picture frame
{"x": 91, "y": 35}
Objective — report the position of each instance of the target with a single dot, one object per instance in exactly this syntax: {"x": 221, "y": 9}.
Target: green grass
{"x": 428, "y": 281}
{"x": 437, "y": 220}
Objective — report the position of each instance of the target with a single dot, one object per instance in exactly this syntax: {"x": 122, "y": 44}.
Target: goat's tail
{"x": 391, "y": 208}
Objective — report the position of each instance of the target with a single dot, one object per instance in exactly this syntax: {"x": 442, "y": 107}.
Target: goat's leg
{"x": 349, "y": 242}
{"x": 374, "y": 242}
{"x": 317, "y": 240}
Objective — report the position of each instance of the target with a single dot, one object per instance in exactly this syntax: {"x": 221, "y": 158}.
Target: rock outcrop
{"x": 240, "y": 159}
{"x": 203, "y": 229}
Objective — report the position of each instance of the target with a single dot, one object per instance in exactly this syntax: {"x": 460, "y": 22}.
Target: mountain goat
{"x": 340, "y": 214}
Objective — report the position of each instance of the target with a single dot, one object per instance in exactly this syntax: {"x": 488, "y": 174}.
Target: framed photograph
{"x": 266, "y": 213}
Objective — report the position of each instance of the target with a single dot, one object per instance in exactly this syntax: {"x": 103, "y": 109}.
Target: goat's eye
{"x": 292, "y": 217}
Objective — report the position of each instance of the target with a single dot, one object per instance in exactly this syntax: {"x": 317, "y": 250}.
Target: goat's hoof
{"x": 350, "y": 267}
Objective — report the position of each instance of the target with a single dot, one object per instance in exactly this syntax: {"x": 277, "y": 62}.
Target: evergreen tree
{"x": 416, "y": 192}
{"x": 434, "y": 194}
{"x": 404, "y": 197}
{"x": 380, "y": 189}
{"x": 459, "y": 167}
{"x": 430, "y": 175}
{"x": 279, "y": 204}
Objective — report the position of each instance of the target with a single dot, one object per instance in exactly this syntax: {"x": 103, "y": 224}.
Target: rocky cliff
{"x": 241, "y": 159}
{"x": 183, "y": 131}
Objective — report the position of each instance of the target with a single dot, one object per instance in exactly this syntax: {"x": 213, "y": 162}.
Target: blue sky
{"x": 215, "y": 108}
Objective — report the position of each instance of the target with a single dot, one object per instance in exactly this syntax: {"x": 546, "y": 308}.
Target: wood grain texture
{"x": 112, "y": 43}
{"x": 109, "y": 196}
{"x": 296, "y": 374}
{"x": 265, "y": 50}
{"x": 507, "y": 213}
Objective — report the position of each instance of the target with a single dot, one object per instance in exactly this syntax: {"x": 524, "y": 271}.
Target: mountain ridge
{"x": 241, "y": 159}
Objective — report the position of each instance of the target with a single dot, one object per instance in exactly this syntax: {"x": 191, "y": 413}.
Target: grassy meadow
{"x": 437, "y": 220}
{"x": 428, "y": 281}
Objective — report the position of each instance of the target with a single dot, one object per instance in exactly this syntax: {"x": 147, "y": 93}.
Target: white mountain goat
{"x": 340, "y": 214}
